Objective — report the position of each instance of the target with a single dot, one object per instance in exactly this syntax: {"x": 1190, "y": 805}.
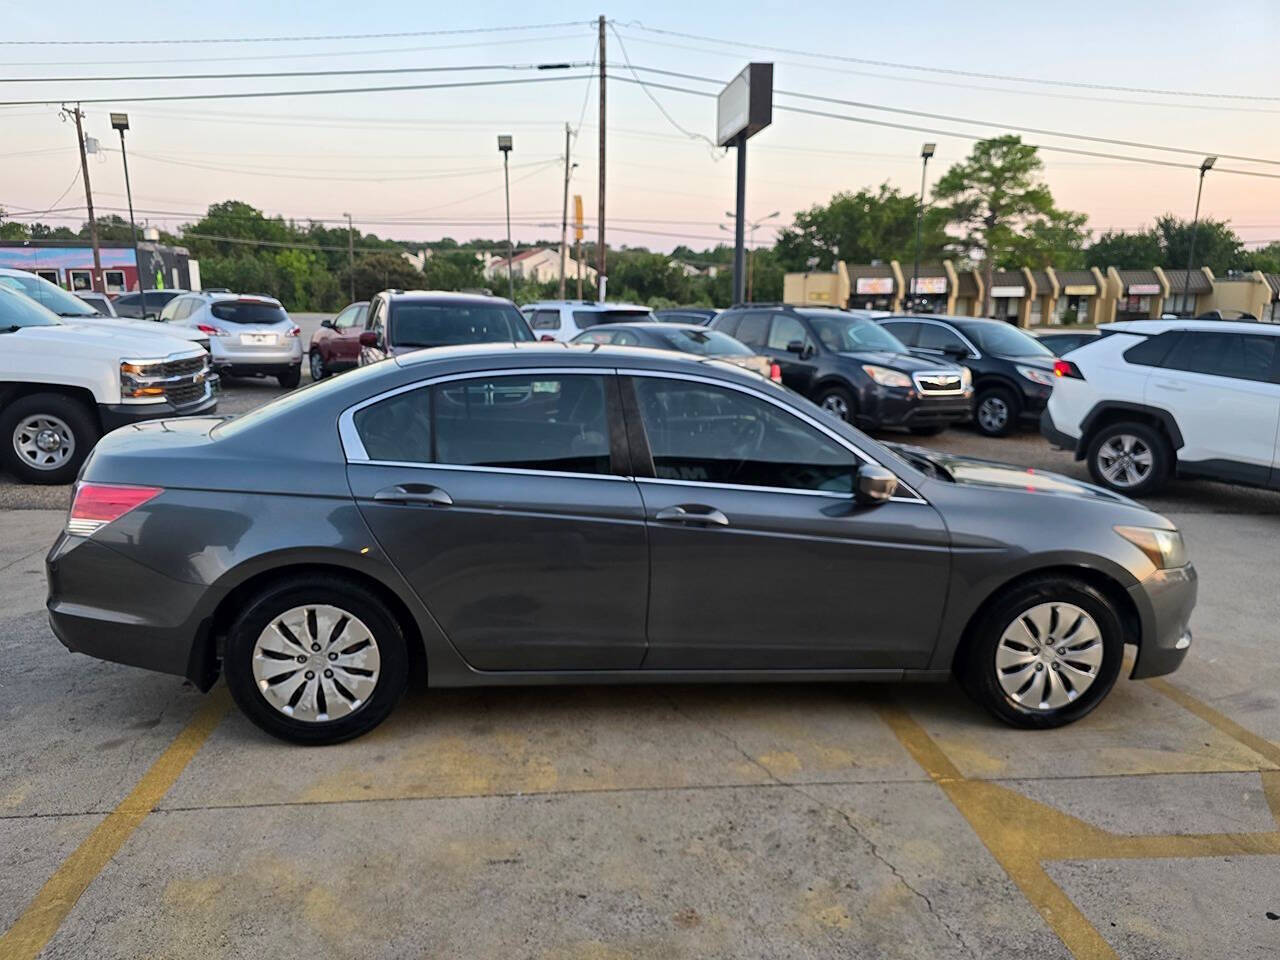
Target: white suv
{"x": 1153, "y": 398}
{"x": 565, "y": 319}
{"x": 249, "y": 335}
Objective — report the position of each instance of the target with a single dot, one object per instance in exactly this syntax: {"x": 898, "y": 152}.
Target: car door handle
{"x": 414, "y": 493}
{"x": 693, "y": 513}
{"x": 1170, "y": 385}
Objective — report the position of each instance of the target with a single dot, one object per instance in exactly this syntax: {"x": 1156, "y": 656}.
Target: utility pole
{"x": 1205, "y": 167}
{"x": 504, "y": 145}
{"x": 77, "y": 114}
{"x": 913, "y": 300}
{"x": 564, "y": 215}
{"x": 601, "y": 275}
{"x": 120, "y": 121}
{"x": 351, "y": 257}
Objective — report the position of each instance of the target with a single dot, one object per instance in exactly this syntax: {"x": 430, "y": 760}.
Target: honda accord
{"x": 528, "y": 513}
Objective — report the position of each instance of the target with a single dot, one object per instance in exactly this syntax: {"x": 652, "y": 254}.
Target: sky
{"x": 423, "y": 164}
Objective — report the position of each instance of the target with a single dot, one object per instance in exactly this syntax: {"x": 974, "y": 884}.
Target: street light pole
{"x": 120, "y": 121}
{"x": 504, "y": 144}
{"x": 751, "y": 234}
{"x": 351, "y": 257}
{"x": 926, "y": 152}
{"x": 1205, "y": 167}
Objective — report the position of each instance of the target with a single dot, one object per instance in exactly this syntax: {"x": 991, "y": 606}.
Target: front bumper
{"x": 1164, "y": 601}
{"x": 108, "y": 606}
{"x": 1063, "y": 441}
{"x": 114, "y": 415}
{"x": 906, "y": 407}
{"x": 1035, "y": 399}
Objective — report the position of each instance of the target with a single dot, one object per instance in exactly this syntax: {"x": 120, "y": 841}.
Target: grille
{"x": 184, "y": 393}
{"x": 928, "y": 383}
{"x": 184, "y": 368}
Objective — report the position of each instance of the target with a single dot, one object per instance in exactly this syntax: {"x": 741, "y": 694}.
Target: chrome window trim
{"x": 354, "y": 451}
{"x": 974, "y": 354}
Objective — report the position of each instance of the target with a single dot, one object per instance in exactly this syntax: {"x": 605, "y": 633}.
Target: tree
{"x": 1057, "y": 240}
{"x": 859, "y": 227}
{"x": 113, "y": 231}
{"x": 996, "y": 199}
{"x": 1218, "y": 247}
{"x": 1266, "y": 259}
{"x": 1125, "y": 251}
{"x": 380, "y": 271}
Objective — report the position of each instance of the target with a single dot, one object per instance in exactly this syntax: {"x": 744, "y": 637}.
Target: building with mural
{"x": 69, "y": 264}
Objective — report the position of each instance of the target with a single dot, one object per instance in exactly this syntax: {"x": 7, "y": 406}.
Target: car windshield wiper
{"x": 925, "y": 464}
{"x": 12, "y": 328}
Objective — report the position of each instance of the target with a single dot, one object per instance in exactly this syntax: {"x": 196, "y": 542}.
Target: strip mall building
{"x": 1035, "y": 298}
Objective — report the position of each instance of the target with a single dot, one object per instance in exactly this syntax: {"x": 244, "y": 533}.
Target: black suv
{"x": 1012, "y": 370}
{"x": 399, "y": 321}
{"x": 851, "y": 367}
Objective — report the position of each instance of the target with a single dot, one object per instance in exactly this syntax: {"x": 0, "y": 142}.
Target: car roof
{"x": 1218, "y": 326}
{"x": 588, "y": 305}
{"x": 1041, "y": 334}
{"x": 949, "y": 318}
{"x": 447, "y": 296}
{"x": 262, "y": 297}
{"x": 653, "y": 326}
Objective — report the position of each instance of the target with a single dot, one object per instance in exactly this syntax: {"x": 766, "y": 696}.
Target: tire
{"x": 249, "y": 667}
{"x": 291, "y": 377}
{"x": 996, "y": 411}
{"x": 32, "y": 424}
{"x": 991, "y": 671}
{"x": 316, "y": 361}
{"x": 930, "y": 431}
{"x": 839, "y": 402}
{"x": 1149, "y": 466}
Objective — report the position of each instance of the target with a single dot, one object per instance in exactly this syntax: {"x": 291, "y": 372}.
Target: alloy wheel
{"x": 993, "y": 414}
{"x": 44, "y": 442}
{"x": 1125, "y": 460}
{"x": 316, "y": 663}
{"x": 1049, "y": 656}
{"x": 317, "y": 366}
{"x": 836, "y": 404}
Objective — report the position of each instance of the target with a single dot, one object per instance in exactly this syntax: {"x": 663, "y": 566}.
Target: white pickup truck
{"x": 63, "y": 385}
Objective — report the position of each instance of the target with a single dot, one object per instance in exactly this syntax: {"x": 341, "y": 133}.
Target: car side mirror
{"x": 874, "y": 484}
{"x": 369, "y": 338}
{"x": 796, "y": 347}
{"x": 328, "y": 323}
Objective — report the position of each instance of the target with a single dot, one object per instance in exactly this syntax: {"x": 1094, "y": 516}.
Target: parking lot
{"x": 141, "y": 818}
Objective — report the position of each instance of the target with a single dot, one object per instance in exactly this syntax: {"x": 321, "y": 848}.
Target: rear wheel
{"x": 1130, "y": 458}
{"x": 996, "y": 411}
{"x": 1044, "y": 654}
{"x": 837, "y": 401}
{"x": 316, "y": 660}
{"x": 318, "y": 369}
{"x": 291, "y": 377}
{"x": 45, "y": 437}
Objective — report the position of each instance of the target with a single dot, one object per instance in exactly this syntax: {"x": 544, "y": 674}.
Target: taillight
{"x": 1065, "y": 368}
{"x": 775, "y": 373}
{"x": 294, "y": 332}
{"x": 211, "y": 331}
{"x": 94, "y": 505}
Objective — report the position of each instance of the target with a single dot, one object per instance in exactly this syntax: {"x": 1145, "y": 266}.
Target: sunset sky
{"x": 430, "y": 155}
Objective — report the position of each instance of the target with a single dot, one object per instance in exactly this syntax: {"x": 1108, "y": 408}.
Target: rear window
{"x": 442, "y": 325}
{"x": 706, "y": 343}
{"x": 247, "y": 311}
{"x": 589, "y": 318}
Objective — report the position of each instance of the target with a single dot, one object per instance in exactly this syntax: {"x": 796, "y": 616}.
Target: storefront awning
{"x": 1178, "y": 282}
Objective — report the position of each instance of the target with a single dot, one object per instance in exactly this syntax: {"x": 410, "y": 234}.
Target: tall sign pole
{"x": 743, "y": 109}
{"x": 120, "y": 121}
{"x": 601, "y": 276}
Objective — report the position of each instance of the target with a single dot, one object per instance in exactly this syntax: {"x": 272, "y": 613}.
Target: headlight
{"x": 1036, "y": 375}
{"x": 138, "y": 379}
{"x": 966, "y": 378}
{"x": 886, "y": 377}
{"x": 1164, "y": 548}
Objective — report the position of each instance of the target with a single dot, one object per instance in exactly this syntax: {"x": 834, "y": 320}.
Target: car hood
{"x": 114, "y": 339}
{"x": 900, "y": 361}
{"x": 972, "y": 471}
{"x": 140, "y": 327}
{"x": 1039, "y": 362}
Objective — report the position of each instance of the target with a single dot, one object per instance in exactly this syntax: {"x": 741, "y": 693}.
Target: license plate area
{"x": 258, "y": 339}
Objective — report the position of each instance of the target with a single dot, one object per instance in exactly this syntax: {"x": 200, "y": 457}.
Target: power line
{"x": 692, "y": 135}
{"x": 986, "y": 123}
{"x": 952, "y": 72}
{"x": 300, "y": 93}
{"x": 257, "y": 75}
{"x": 972, "y": 136}
{"x": 295, "y": 39}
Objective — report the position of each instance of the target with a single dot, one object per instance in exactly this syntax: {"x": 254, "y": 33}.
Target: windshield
{"x": 1006, "y": 341}
{"x": 442, "y": 325}
{"x": 847, "y": 334}
{"x": 706, "y": 343}
{"x": 49, "y": 295}
{"x": 247, "y": 311}
{"x": 18, "y": 311}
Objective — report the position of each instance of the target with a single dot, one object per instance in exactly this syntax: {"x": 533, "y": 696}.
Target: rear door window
{"x": 753, "y": 330}
{"x": 1152, "y": 350}
{"x": 936, "y": 337}
{"x": 905, "y": 330}
{"x": 1235, "y": 355}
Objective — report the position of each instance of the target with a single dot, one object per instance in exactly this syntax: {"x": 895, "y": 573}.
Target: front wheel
{"x": 1044, "y": 654}
{"x": 838, "y": 402}
{"x": 45, "y": 437}
{"x": 316, "y": 660}
{"x": 291, "y": 377}
{"x": 996, "y": 411}
{"x": 316, "y": 362}
{"x": 1130, "y": 458}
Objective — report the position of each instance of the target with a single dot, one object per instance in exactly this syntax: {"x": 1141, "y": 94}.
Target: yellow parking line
{"x": 1257, "y": 744}
{"x": 45, "y": 914}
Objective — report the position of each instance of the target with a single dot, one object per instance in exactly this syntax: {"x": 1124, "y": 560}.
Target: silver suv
{"x": 249, "y": 335}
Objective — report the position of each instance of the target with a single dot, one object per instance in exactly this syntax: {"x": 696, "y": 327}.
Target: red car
{"x": 336, "y": 345}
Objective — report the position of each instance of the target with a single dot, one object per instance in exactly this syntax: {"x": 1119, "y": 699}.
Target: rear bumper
{"x": 279, "y": 356}
{"x": 1164, "y": 601}
{"x": 114, "y": 415}
{"x": 1063, "y": 441}
{"x": 105, "y": 605}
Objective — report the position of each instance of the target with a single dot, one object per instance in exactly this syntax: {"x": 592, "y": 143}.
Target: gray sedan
{"x": 542, "y": 513}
